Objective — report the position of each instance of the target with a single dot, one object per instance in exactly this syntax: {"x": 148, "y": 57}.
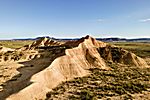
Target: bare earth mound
{"x": 64, "y": 61}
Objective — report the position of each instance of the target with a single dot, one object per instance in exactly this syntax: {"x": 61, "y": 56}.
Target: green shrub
{"x": 86, "y": 95}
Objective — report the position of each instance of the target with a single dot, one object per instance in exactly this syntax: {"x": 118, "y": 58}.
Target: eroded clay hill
{"x": 66, "y": 61}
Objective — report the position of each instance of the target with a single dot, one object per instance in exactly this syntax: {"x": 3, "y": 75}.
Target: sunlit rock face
{"x": 119, "y": 55}
{"x": 44, "y": 42}
{"x": 81, "y": 55}
{"x": 4, "y": 49}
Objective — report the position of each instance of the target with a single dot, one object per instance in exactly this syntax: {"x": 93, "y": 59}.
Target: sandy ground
{"x": 7, "y": 71}
{"x": 16, "y": 75}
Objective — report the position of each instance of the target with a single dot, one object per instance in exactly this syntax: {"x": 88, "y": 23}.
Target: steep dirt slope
{"x": 15, "y": 75}
{"x": 121, "y": 83}
{"x": 50, "y": 62}
{"x": 73, "y": 64}
{"x": 84, "y": 54}
{"x": 115, "y": 54}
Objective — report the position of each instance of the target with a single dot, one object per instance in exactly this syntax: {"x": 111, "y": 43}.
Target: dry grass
{"x": 139, "y": 48}
{"x": 122, "y": 80}
{"x": 15, "y": 43}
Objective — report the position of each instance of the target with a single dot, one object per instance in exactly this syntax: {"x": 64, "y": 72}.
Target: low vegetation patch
{"x": 121, "y": 80}
{"x": 141, "y": 49}
{"x": 15, "y": 43}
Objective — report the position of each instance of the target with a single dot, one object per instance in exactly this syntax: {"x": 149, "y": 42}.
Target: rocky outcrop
{"x": 17, "y": 55}
{"x": 4, "y": 49}
{"x": 83, "y": 54}
{"x": 119, "y": 55}
{"x": 73, "y": 64}
{"x": 3, "y": 52}
{"x": 45, "y": 42}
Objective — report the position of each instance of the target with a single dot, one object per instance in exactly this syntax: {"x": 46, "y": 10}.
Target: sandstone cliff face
{"x": 44, "y": 42}
{"x": 82, "y": 54}
{"x": 73, "y": 64}
{"x": 4, "y": 49}
{"x": 119, "y": 55}
{"x": 17, "y": 55}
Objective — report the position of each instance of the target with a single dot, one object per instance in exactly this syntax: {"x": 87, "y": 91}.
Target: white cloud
{"x": 100, "y": 20}
{"x": 145, "y": 20}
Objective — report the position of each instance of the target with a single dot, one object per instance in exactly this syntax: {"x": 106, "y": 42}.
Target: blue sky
{"x": 74, "y": 18}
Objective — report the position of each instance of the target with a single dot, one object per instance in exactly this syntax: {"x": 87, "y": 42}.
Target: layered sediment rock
{"x": 73, "y": 64}
{"x": 82, "y": 54}
{"x": 4, "y": 49}
{"x": 119, "y": 55}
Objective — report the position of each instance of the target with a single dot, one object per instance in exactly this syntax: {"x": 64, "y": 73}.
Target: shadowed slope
{"x": 119, "y": 55}
{"x": 27, "y": 70}
{"x": 73, "y": 64}
{"x": 83, "y": 54}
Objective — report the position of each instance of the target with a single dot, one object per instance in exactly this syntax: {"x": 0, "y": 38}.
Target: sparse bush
{"x": 119, "y": 81}
{"x": 72, "y": 97}
{"x": 120, "y": 90}
{"x": 86, "y": 95}
{"x": 48, "y": 95}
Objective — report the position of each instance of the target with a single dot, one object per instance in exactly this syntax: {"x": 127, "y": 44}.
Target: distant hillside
{"x": 101, "y": 39}
{"x": 140, "y": 39}
{"x": 124, "y": 39}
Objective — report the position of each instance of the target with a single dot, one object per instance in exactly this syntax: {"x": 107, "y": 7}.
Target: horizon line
{"x": 32, "y": 37}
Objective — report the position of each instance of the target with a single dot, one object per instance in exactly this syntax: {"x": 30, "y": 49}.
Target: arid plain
{"x": 78, "y": 69}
